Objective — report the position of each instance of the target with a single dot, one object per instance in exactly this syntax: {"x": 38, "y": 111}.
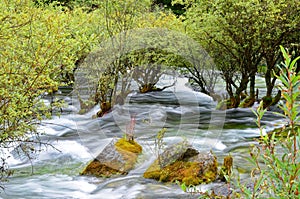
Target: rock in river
{"x": 181, "y": 162}
{"x": 117, "y": 158}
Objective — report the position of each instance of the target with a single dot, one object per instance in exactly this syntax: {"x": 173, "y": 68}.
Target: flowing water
{"x": 79, "y": 138}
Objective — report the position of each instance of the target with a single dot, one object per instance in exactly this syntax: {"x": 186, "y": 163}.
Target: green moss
{"x": 209, "y": 176}
{"x": 188, "y": 172}
{"x": 96, "y": 168}
{"x": 130, "y": 146}
{"x": 129, "y": 150}
{"x": 153, "y": 175}
{"x": 190, "y": 180}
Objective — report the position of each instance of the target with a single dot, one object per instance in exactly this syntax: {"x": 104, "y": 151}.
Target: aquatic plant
{"x": 129, "y": 134}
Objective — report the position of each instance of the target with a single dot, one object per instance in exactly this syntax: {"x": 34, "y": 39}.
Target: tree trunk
{"x": 271, "y": 60}
{"x": 243, "y": 86}
{"x": 252, "y": 86}
{"x": 268, "y": 82}
{"x": 235, "y": 101}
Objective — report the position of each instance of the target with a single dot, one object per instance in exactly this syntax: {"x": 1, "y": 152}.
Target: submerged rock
{"x": 180, "y": 162}
{"x": 117, "y": 158}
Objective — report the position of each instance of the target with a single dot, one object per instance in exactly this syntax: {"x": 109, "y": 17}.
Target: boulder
{"x": 117, "y": 158}
{"x": 181, "y": 162}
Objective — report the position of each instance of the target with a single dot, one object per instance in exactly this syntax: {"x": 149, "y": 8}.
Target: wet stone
{"x": 180, "y": 162}
{"x": 117, "y": 158}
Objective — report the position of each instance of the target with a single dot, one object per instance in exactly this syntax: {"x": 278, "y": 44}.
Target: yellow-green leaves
{"x": 39, "y": 45}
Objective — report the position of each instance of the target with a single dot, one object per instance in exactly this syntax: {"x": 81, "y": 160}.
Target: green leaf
{"x": 285, "y": 55}
{"x": 294, "y": 61}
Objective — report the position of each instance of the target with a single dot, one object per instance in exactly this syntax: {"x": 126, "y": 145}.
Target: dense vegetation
{"x": 43, "y": 42}
{"x": 244, "y": 36}
{"x": 39, "y": 49}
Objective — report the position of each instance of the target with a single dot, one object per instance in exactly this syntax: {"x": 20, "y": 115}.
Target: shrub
{"x": 279, "y": 175}
{"x": 39, "y": 46}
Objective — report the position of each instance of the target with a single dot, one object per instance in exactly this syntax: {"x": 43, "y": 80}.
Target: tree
{"x": 120, "y": 17}
{"x": 282, "y": 29}
{"x": 112, "y": 64}
{"x": 240, "y": 35}
{"x": 38, "y": 46}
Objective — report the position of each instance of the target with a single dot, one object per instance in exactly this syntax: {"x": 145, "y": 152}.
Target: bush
{"x": 39, "y": 47}
{"x": 279, "y": 175}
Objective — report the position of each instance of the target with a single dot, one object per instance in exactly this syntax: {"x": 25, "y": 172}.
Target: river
{"x": 79, "y": 138}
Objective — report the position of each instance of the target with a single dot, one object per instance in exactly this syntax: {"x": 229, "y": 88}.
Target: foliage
{"x": 280, "y": 155}
{"x": 119, "y": 18}
{"x": 129, "y": 32}
{"x": 39, "y": 50}
{"x": 242, "y": 35}
{"x": 135, "y": 51}
{"x": 202, "y": 72}
{"x": 149, "y": 64}
{"x": 276, "y": 159}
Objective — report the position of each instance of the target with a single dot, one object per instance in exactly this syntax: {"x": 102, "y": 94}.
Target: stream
{"x": 77, "y": 139}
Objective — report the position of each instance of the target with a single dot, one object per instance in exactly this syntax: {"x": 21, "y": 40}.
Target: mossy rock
{"x": 117, "y": 158}
{"x": 96, "y": 168}
{"x": 131, "y": 146}
{"x": 184, "y": 164}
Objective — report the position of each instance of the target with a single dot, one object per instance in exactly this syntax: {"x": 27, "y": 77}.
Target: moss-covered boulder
{"x": 117, "y": 158}
{"x": 181, "y": 162}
